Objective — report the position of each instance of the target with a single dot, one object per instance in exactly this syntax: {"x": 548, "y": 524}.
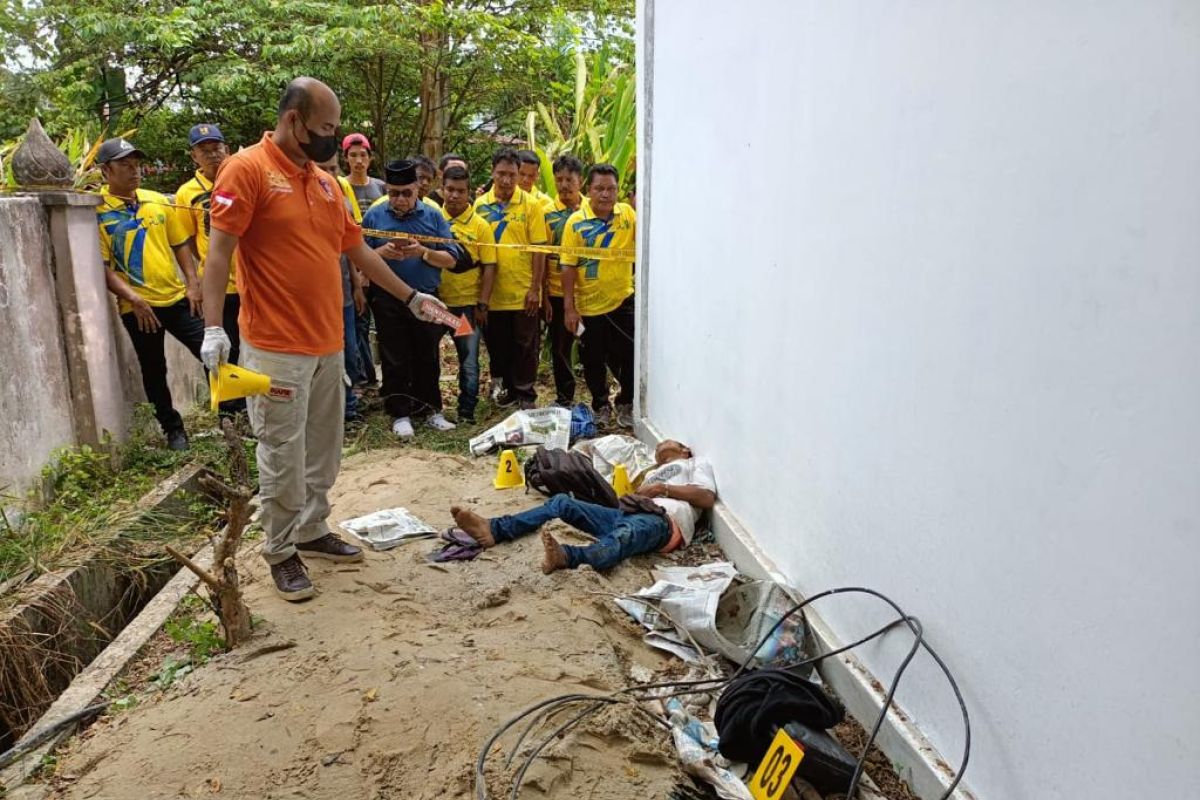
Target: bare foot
{"x": 476, "y": 526}
{"x": 555, "y": 558}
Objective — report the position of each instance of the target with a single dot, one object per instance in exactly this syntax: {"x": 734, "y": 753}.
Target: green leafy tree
{"x": 427, "y": 75}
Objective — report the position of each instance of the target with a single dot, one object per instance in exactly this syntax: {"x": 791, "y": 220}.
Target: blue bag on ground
{"x": 583, "y": 423}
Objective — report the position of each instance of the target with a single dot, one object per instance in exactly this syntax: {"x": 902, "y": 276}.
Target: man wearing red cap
{"x": 356, "y": 148}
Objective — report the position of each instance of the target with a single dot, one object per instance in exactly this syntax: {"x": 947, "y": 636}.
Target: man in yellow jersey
{"x": 139, "y": 231}
{"x": 568, "y": 179}
{"x": 193, "y": 202}
{"x": 467, "y": 288}
{"x": 600, "y": 293}
{"x": 354, "y": 299}
{"x": 529, "y": 173}
{"x": 514, "y": 307}
{"x": 445, "y": 162}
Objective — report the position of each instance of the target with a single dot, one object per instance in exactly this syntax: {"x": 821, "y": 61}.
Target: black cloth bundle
{"x": 754, "y": 705}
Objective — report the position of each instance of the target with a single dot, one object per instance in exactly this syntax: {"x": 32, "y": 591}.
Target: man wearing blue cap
{"x": 141, "y": 239}
{"x": 194, "y": 199}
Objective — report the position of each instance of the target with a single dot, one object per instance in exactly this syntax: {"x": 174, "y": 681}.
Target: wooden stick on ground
{"x": 223, "y": 584}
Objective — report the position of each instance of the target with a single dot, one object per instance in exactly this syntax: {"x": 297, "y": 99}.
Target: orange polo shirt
{"x": 292, "y": 225}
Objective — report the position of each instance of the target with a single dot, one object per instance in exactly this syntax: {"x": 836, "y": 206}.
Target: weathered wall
{"x": 35, "y": 406}
{"x": 924, "y": 282}
{"x": 70, "y": 373}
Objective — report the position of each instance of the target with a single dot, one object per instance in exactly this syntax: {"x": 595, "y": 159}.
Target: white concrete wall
{"x": 923, "y": 279}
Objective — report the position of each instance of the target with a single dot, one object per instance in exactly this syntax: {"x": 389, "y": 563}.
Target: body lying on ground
{"x": 660, "y": 516}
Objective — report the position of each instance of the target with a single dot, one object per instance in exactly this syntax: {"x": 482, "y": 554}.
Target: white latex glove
{"x": 215, "y": 350}
{"x": 417, "y": 300}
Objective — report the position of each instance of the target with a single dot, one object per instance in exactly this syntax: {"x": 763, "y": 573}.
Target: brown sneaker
{"x": 291, "y": 580}
{"x": 331, "y": 548}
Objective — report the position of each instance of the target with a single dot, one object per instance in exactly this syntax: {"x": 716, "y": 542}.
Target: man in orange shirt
{"x": 289, "y": 223}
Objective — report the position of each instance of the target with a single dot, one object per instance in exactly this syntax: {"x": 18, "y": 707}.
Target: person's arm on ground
{"x": 697, "y": 496}
{"x": 143, "y": 312}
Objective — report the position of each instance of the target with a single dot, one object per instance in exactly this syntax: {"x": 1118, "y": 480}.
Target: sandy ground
{"x": 398, "y": 673}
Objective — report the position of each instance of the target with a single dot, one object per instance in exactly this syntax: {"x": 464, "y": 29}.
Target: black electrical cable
{"x": 919, "y": 642}
{"x": 560, "y": 730}
{"x": 480, "y": 782}
{"x": 887, "y": 703}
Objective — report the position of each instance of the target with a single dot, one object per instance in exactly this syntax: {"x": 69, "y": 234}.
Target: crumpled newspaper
{"x": 383, "y": 530}
{"x": 550, "y": 427}
{"x": 689, "y": 596}
{"x": 700, "y": 606}
{"x": 608, "y": 451}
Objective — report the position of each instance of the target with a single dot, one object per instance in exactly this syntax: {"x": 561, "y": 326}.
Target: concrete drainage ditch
{"x": 59, "y": 623}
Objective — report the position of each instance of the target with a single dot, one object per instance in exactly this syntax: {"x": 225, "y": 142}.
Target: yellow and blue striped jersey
{"x": 136, "y": 241}
{"x": 601, "y": 286}
{"x": 556, "y": 219}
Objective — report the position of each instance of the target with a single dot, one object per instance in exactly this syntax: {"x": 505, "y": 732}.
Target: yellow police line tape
{"x": 594, "y": 253}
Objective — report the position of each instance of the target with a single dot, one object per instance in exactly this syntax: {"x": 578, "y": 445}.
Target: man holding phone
{"x": 408, "y": 346}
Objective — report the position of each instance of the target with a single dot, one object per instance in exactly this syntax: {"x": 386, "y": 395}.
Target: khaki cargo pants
{"x": 299, "y": 427}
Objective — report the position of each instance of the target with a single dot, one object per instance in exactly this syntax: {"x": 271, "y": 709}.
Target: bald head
{"x": 309, "y": 114}
{"x": 306, "y": 95}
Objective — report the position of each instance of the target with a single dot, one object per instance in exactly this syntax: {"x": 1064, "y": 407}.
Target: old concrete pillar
{"x": 99, "y": 395}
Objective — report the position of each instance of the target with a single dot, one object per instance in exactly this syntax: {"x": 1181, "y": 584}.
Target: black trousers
{"x": 178, "y": 321}
{"x": 513, "y": 341}
{"x": 607, "y": 342}
{"x": 408, "y": 352}
{"x": 562, "y": 346}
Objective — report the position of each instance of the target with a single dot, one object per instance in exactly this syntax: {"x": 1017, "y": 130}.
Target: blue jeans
{"x": 618, "y": 535}
{"x": 467, "y": 348}
{"x": 365, "y": 369}
{"x": 350, "y": 354}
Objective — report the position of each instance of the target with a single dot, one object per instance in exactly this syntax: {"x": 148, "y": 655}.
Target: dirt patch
{"x": 399, "y": 671}
{"x": 879, "y": 767}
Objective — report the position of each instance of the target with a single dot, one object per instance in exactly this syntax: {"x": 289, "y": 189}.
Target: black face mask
{"x": 318, "y": 148}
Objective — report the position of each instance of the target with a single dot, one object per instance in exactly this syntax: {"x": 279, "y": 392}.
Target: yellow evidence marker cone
{"x": 230, "y": 382}
{"x": 620, "y": 481}
{"x": 508, "y": 471}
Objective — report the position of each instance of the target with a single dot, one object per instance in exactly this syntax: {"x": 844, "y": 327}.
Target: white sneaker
{"x": 402, "y": 427}
{"x": 439, "y": 422}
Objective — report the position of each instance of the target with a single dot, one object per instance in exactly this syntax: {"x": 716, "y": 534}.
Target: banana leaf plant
{"x": 601, "y": 128}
